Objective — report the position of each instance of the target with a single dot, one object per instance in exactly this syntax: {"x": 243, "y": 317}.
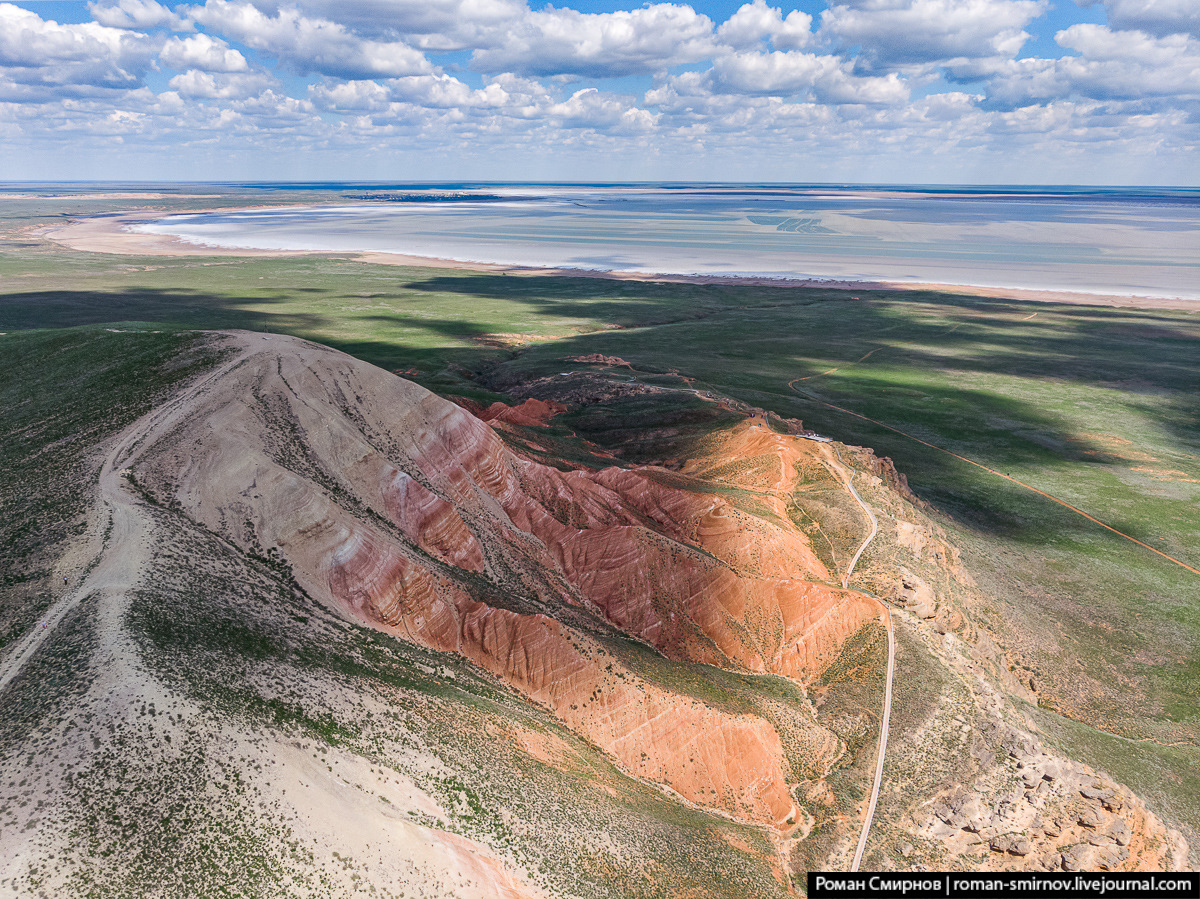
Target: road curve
{"x": 124, "y": 552}
{"x": 885, "y": 717}
{"x": 999, "y": 474}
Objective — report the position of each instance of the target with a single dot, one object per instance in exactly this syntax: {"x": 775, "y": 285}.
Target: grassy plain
{"x": 1094, "y": 405}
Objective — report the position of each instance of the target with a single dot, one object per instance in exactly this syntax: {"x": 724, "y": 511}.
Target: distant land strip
{"x": 1048, "y": 496}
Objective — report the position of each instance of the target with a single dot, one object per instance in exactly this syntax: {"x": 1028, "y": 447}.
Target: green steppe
{"x": 1097, "y": 406}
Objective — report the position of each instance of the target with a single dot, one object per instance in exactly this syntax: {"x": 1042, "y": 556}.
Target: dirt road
{"x": 886, "y": 715}
{"x": 999, "y": 474}
{"x": 125, "y": 552}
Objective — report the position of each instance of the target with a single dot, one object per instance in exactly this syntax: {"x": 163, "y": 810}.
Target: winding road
{"x": 885, "y": 717}
{"x": 999, "y": 474}
{"x": 125, "y": 552}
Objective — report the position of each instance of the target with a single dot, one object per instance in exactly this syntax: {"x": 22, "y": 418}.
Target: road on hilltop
{"x": 886, "y": 715}
{"x": 124, "y": 555}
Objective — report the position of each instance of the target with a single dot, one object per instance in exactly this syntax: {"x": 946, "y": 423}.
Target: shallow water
{"x": 1126, "y": 241}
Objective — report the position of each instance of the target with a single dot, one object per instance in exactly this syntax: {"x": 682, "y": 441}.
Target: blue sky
{"x": 907, "y": 91}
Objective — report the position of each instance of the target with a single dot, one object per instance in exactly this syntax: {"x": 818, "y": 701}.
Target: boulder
{"x": 942, "y": 831}
{"x": 1012, "y": 843}
{"x": 1077, "y": 858}
{"x": 910, "y": 592}
{"x": 986, "y": 757}
{"x": 1111, "y": 858}
{"x": 970, "y": 815}
{"x": 944, "y": 813}
{"x": 1120, "y": 832}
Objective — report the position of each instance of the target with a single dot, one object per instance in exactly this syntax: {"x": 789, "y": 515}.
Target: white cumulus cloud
{"x": 756, "y": 21}
{"x": 589, "y": 108}
{"x": 37, "y": 51}
{"x": 866, "y": 81}
{"x": 1157, "y": 17}
{"x": 221, "y": 85}
{"x": 200, "y": 51}
{"x": 790, "y": 73}
{"x": 136, "y": 14}
{"x": 428, "y": 24}
{"x": 903, "y": 32}
{"x": 350, "y": 96}
{"x": 306, "y": 44}
{"x": 446, "y": 92}
{"x": 1111, "y": 65}
{"x": 565, "y": 41}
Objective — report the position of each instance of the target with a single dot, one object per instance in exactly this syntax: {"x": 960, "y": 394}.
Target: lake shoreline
{"x": 112, "y": 234}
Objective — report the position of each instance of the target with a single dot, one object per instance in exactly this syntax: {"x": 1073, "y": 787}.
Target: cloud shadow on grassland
{"x": 747, "y": 341}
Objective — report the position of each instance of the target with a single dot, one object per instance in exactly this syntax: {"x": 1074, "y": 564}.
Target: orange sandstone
{"x": 413, "y": 516}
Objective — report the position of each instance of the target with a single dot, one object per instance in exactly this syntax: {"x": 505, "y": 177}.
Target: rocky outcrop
{"x": 412, "y": 515}
{"x": 910, "y": 592}
{"x": 1036, "y": 810}
{"x": 930, "y": 544}
{"x": 601, "y": 359}
{"x": 532, "y": 413}
{"x": 885, "y": 469}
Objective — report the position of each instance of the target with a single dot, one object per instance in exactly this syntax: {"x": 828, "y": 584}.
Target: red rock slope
{"x": 411, "y": 514}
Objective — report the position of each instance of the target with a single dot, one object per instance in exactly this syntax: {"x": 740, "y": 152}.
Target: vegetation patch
{"x": 63, "y": 394}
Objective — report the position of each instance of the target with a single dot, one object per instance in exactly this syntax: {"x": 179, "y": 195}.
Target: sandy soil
{"x": 110, "y": 234}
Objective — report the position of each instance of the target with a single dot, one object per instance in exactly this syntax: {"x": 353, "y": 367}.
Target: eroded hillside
{"x": 340, "y": 633}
